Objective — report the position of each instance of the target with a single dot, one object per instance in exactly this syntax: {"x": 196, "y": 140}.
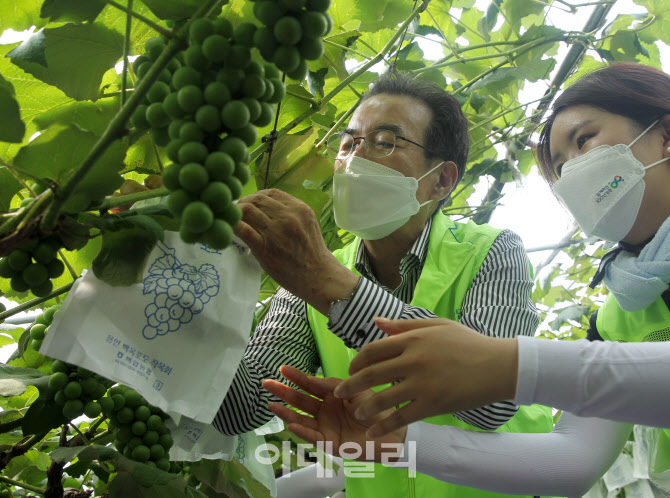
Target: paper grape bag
{"x": 177, "y": 338}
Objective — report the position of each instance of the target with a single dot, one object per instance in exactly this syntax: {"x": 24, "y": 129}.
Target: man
{"x": 403, "y": 153}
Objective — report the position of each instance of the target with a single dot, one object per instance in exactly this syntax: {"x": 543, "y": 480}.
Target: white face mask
{"x": 603, "y": 189}
{"x": 373, "y": 201}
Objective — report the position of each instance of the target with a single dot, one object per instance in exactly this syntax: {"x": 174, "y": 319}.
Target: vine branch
{"x": 128, "y": 10}
{"x": 34, "y": 302}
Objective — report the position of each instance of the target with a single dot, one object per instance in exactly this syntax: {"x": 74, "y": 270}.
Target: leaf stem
{"x": 100, "y": 436}
{"x": 165, "y": 32}
{"x": 126, "y": 50}
{"x": 72, "y": 271}
{"x": 34, "y": 302}
{"x": 110, "y": 202}
{"x": 81, "y": 434}
{"x": 29, "y": 487}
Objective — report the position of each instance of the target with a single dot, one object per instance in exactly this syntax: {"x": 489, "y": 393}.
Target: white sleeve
{"x": 565, "y": 462}
{"x": 626, "y": 382}
{"x": 313, "y": 481}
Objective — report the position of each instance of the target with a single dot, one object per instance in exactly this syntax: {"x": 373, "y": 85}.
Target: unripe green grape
{"x": 118, "y": 389}
{"x": 279, "y": 91}
{"x": 192, "y": 152}
{"x": 223, "y": 27}
{"x": 106, "y": 404}
{"x": 58, "y": 381}
{"x": 242, "y": 172}
{"x": 299, "y": 72}
{"x": 163, "y": 464}
{"x": 139, "y": 61}
{"x": 166, "y": 441}
{"x": 174, "y": 127}
{"x": 72, "y": 390}
{"x": 193, "y": 177}
{"x": 238, "y": 56}
{"x": 160, "y": 136}
{"x": 269, "y": 90}
{"x": 271, "y": 70}
{"x": 138, "y": 428}
{"x": 235, "y": 148}
{"x": 18, "y": 260}
{"x": 214, "y": 48}
{"x": 287, "y": 58}
{"x": 233, "y": 214}
{"x": 172, "y": 107}
{"x": 45, "y": 252}
{"x": 156, "y": 115}
{"x": 36, "y": 344}
{"x": 59, "y": 398}
{"x": 329, "y": 22}
{"x": 141, "y": 453}
{"x": 138, "y": 119}
{"x": 134, "y": 442}
{"x": 254, "y": 107}
{"x": 133, "y": 399}
{"x": 196, "y": 59}
{"x": 292, "y": 5}
{"x": 190, "y": 98}
{"x": 89, "y": 385}
{"x": 170, "y": 176}
{"x": 142, "y": 413}
{"x": 59, "y": 366}
{"x": 151, "y": 436}
{"x": 247, "y": 134}
{"x": 172, "y": 149}
{"x": 73, "y": 408}
{"x": 217, "y": 94}
{"x": 18, "y": 285}
{"x": 256, "y": 68}
{"x": 220, "y": 166}
{"x": 232, "y": 78}
{"x": 178, "y": 200}
{"x": 207, "y": 117}
{"x": 84, "y": 373}
{"x": 217, "y": 196}
{"x": 219, "y": 236}
{"x": 185, "y": 76}
{"x": 311, "y": 49}
{"x": 99, "y": 391}
{"x": 320, "y": 5}
{"x": 154, "y": 422}
{"x": 43, "y": 289}
{"x": 200, "y": 29}
{"x": 268, "y": 12}
{"x": 173, "y": 65}
{"x": 165, "y": 76}
{"x": 153, "y": 47}
{"x": 253, "y": 86}
{"x": 157, "y": 452}
{"x": 287, "y": 30}
{"x": 235, "y": 115}
{"x": 119, "y": 402}
{"x": 37, "y": 332}
{"x": 143, "y": 69}
{"x": 244, "y": 34}
{"x": 125, "y": 415}
{"x": 264, "y": 40}
{"x": 158, "y": 92}
{"x": 92, "y": 409}
{"x": 313, "y": 24}
{"x": 124, "y": 434}
{"x": 6, "y": 271}
{"x": 191, "y": 132}
{"x": 187, "y": 235}
{"x": 197, "y": 217}
{"x": 235, "y": 186}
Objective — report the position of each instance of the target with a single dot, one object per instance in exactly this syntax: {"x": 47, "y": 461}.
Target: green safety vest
{"x": 651, "y": 324}
{"x": 455, "y": 253}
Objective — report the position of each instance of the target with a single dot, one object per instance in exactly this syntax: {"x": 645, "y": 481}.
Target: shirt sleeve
{"x": 283, "y": 337}
{"x": 565, "y": 462}
{"x": 497, "y": 304}
{"x": 626, "y": 382}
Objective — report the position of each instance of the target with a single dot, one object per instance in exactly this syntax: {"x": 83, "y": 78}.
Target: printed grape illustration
{"x": 181, "y": 291}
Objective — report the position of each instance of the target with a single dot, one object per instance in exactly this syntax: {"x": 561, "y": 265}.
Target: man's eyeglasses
{"x": 378, "y": 143}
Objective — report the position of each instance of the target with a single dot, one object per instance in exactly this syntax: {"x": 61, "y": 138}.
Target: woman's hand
{"x": 441, "y": 365}
{"x": 332, "y": 419}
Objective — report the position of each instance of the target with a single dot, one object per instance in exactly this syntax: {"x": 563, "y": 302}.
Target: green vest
{"x": 651, "y": 324}
{"x": 455, "y": 253}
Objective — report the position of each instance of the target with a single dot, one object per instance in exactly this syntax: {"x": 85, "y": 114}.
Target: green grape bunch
{"x": 140, "y": 433}
{"x": 77, "y": 390}
{"x": 39, "y": 328}
{"x": 33, "y": 266}
{"x": 205, "y": 109}
{"x": 291, "y": 33}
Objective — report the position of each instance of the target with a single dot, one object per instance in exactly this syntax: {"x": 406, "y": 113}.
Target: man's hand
{"x": 332, "y": 419}
{"x": 442, "y": 366}
{"x": 284, "y": 236}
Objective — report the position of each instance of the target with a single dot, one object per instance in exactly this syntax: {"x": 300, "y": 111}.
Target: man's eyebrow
{"x": 571, "y": 137}
{"x": 384, "y": 126}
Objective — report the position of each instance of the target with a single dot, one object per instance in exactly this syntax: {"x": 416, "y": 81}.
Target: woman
{"x": 604, "y": 149}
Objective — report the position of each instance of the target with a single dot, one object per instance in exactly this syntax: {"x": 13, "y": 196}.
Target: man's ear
{"x": 446, "y": 181}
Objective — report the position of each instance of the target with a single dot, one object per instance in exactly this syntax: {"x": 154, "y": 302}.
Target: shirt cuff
{"x": 356, "y": 326}
{"x": 526, "y": 381}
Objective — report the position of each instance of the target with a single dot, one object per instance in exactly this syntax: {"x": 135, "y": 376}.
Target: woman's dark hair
{"x": 636, "y": 91}
{"x": 447, "y": 135}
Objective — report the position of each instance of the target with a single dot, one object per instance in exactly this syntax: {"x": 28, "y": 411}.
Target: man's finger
{"x": 310, "y": 435}
{"x": 377, "y": 351}
{"x": 254, "y": 216}
{"x": 399, "y": 418}
{"x": 393, "y": 327}
{"x": 249, "y": 236}
{"x": 371, "y": 407}
{"x": 313, "y": 385}
{"x": 379, "y": 373}
{"x": 291, "y": 416}
{"x": 294, "y": 398}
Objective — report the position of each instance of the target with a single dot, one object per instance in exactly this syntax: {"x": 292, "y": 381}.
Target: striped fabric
{"x": 497, "y": 304}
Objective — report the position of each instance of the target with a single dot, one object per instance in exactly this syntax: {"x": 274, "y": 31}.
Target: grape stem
{"x": 311, "y": 101}
{"x": 345, "y": 82}
{"x": 81, "y": 434}
{"x": 29, "y": 487}
{"x": 100, "y": 436}
{"x": 128, "y": 10}
{"x": 126, "y": 49}
{"x": 11, "y": 425}
{"x": 111, "y": 202}
{"x": 34, "y": 302}
{"x": 72, "y": 271}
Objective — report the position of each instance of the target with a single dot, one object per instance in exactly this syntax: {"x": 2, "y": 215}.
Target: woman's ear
{"x": 665, "y": 127}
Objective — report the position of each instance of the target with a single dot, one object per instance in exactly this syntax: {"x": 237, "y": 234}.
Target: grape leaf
{"x": 123, "y": 256}
{"x": 89, "y": 116}
{"x": 71, "y": 10}
{"x": 15, "y": 380}
{"x": 20, "y": 14}
{"x": 12, "y": 128}
{"x": 172, "y": 9}
{"x": 8, "y": 187}
{"x": 43, "y": 415}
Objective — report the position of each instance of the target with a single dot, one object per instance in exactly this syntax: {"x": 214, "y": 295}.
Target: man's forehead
{"x": 397, "y": 113}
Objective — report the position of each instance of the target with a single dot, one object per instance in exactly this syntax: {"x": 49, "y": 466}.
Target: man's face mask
{"x": 372, "y": 201}
{"x": 603, "y": 189}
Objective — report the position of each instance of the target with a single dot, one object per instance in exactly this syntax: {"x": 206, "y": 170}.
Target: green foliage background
{"x": 62, "y": 83}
